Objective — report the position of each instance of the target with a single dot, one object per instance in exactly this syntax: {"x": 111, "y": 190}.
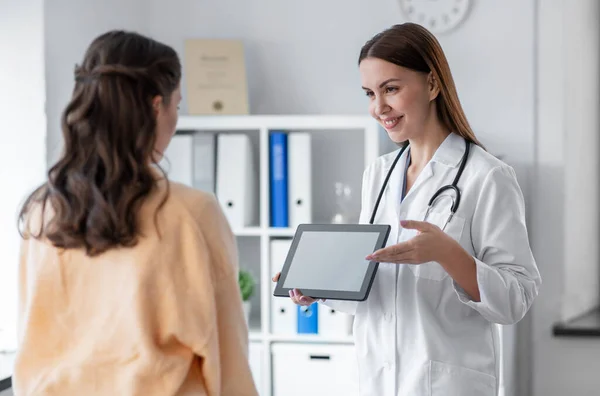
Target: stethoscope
{"x": 438, "y": 193}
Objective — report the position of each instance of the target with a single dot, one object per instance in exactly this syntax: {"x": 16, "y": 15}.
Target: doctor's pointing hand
{"x": 431, "y": 244}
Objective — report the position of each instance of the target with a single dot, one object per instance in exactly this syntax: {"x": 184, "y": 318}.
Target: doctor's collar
{"x": 450, "y": 151}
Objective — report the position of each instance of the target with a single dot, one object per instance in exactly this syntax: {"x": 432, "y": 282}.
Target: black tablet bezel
{"x": 382, "y": 229}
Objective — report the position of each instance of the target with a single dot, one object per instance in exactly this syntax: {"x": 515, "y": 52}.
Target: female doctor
{"x": 444, "y": 280}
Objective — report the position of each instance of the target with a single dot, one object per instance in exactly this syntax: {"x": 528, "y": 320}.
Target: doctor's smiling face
{"x": 401, "y": 99}
{"x": 406, "y": 76}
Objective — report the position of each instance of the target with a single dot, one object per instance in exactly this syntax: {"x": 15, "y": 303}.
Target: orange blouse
{"x": 162, "y": 318}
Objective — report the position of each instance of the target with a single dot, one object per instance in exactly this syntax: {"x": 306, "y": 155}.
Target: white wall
{"x": 22, "y": 127}
{"x": 565, "y": 237}
{"x": 581, "y": 128}
{"x": 70, "y": 27}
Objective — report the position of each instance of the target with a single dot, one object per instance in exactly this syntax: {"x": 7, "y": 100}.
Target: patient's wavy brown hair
{"x": 105, "y": 172}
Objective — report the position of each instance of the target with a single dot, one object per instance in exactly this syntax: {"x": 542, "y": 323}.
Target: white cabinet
{"x": 316, "y": 370}
{"x": 255, "y": 353}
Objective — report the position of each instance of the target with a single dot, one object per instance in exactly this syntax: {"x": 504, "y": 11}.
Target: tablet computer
{"x": 327, "y": 261}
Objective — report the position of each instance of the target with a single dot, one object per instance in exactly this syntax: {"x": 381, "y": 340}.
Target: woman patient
{"x": 128, "y": 283}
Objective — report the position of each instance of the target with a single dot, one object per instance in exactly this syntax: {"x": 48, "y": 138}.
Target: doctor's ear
{"x": 433, "y": 86}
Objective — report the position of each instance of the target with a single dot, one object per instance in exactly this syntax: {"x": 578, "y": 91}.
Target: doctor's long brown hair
{"x": 412, "y": 46}
{"x": 95, "y": 189}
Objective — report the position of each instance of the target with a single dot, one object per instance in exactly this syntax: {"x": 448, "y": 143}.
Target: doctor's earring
{"x": 343, "y": 197}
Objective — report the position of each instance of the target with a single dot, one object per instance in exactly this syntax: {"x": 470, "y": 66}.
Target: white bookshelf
{"x": 342, "y": 146}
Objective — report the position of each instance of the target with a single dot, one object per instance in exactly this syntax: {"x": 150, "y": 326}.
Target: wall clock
{"x": 439, "y": 16}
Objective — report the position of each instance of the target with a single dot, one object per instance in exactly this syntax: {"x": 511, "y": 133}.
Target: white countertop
{"x": 7, "y": 361}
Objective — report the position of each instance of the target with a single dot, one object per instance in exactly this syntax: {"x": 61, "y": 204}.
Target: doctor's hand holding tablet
{"x": 441, "y": 255}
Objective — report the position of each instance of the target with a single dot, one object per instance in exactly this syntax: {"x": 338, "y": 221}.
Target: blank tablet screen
{"x": 331, "y": 260}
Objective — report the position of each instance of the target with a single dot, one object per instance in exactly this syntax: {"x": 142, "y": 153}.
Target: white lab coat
{"x": 419, "y": 333}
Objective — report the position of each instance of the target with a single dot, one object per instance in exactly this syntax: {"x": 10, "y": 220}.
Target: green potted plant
{"x": 247, "y": 285}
